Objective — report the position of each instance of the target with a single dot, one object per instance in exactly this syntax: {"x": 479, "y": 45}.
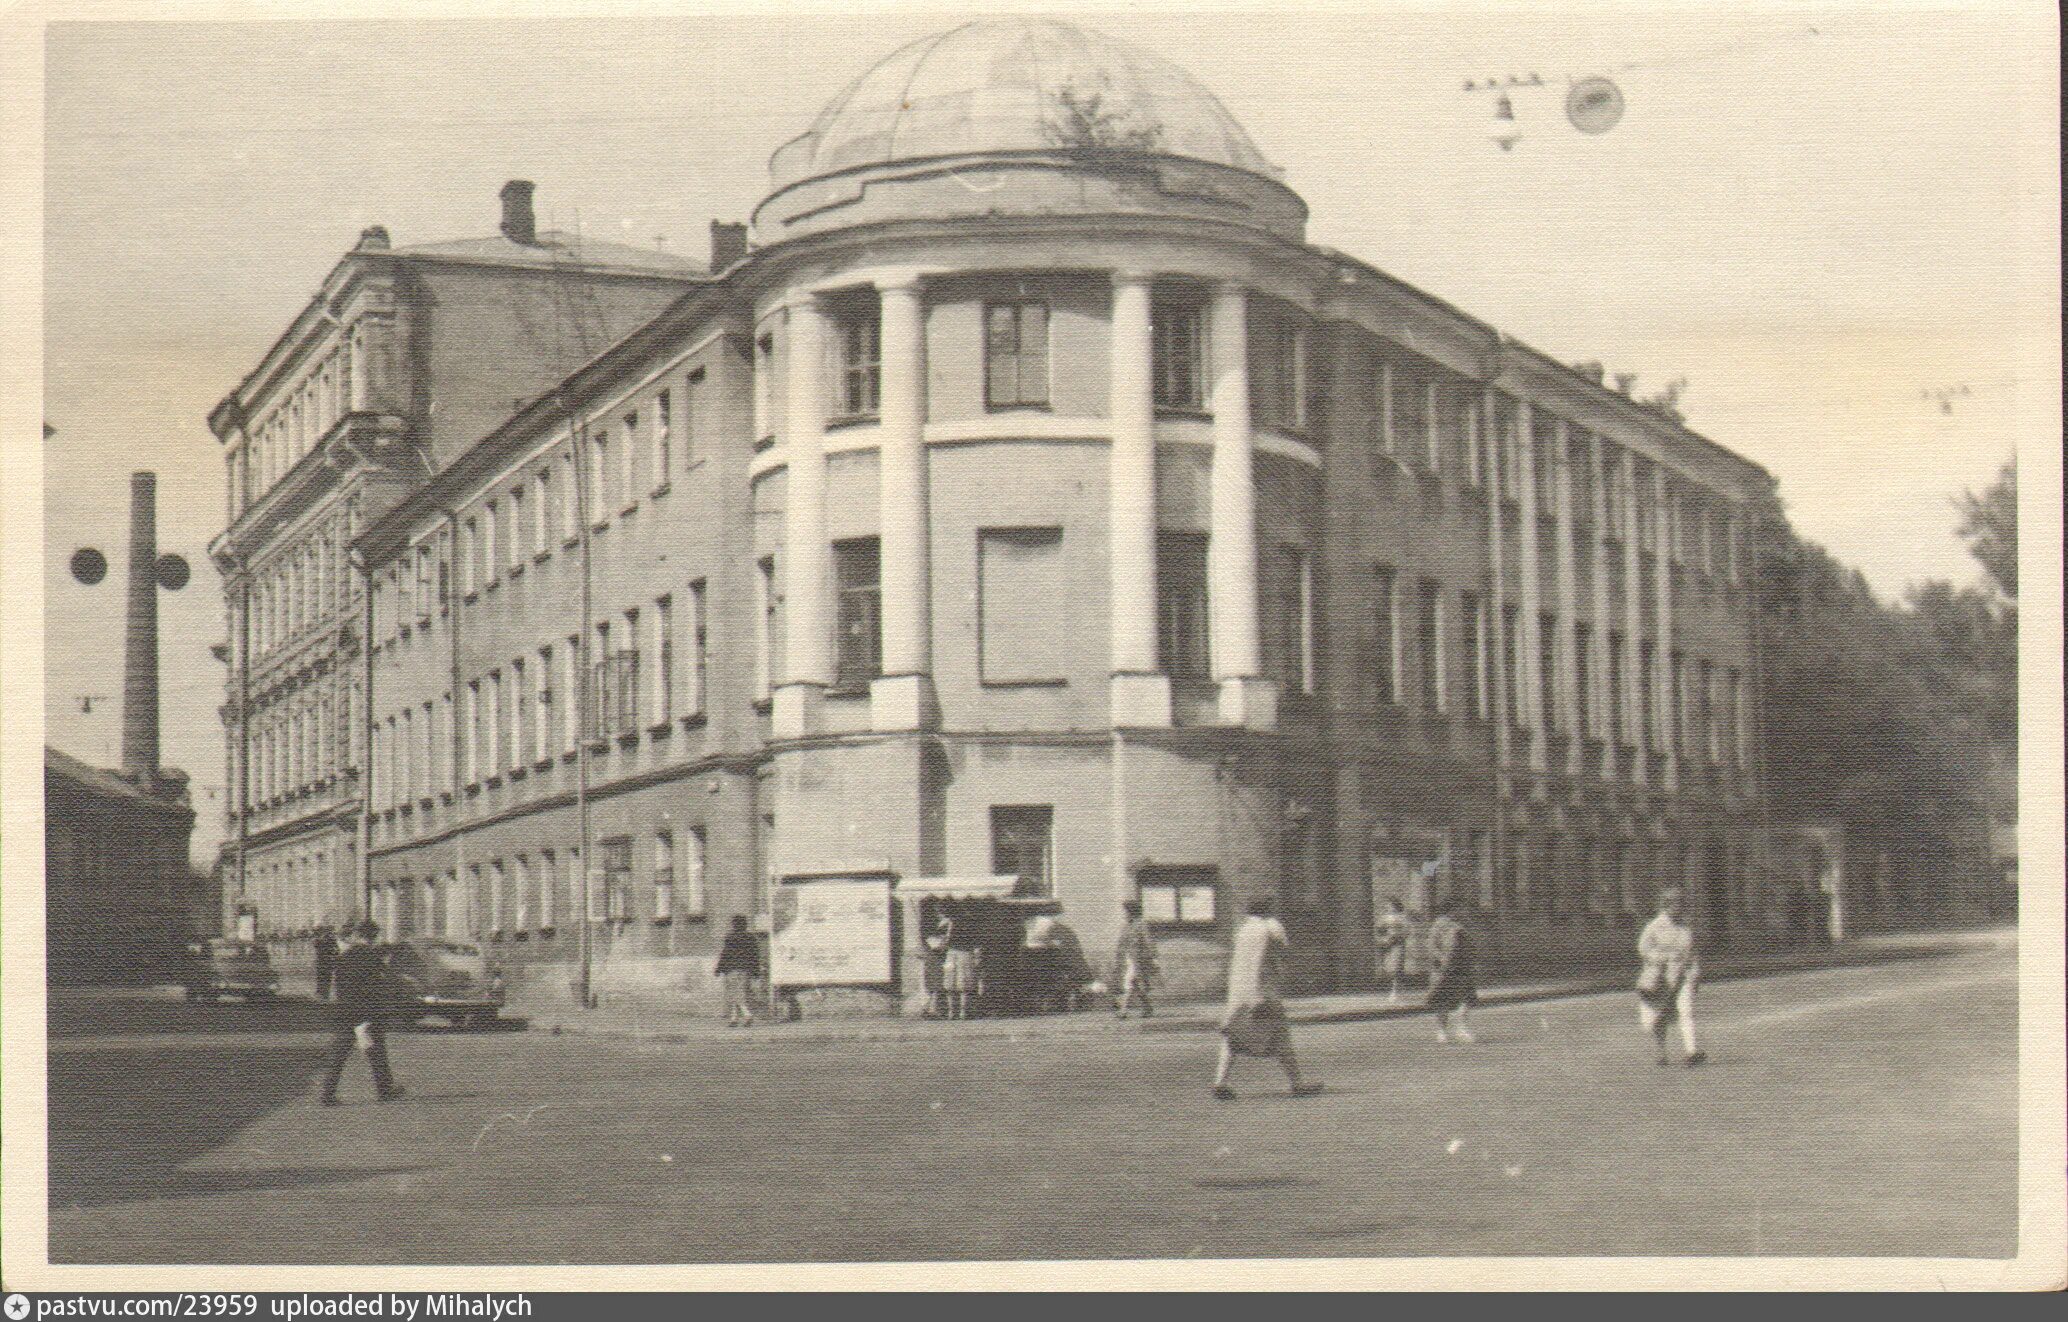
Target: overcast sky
{"x": 1812, "y": 227}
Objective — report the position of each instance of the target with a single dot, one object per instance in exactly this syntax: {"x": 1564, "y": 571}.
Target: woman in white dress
{"x": 1666, "y": 980}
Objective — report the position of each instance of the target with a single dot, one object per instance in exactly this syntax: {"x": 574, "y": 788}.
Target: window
{"x": 1179, "y": 897}
{"x": 444, "y": 736}
{"x": 858, "y": 352}
{"x": 1741, "y": 712}
{"x": 1429, "y": 646}
{"x": 498, "y": 897}
{"x": 1289, "y": 619}
{"x": 570, "y": 691}
{"x": 1547, "y": 669}
{"x": 549, "y": 890}
{"x": 1182, "y": 636}
{"x": 1386, "y": 651}
{"x": 699, "y": 649}
{"x": 614, "y": 898}
{"x": 599, "y": 475}
{"x": 1674, "y": 715}
{"x": 1019, "y": 589}
{"x": 496, "y": 727}
{"x": 1015, "y": 354}
{"x": 520, "y": 528}
{"x": 521, "y": 908}
{"x": 542, "y": 706}
{"x": 629, "y": 456}
{"x": 1474, "y": 652}
{"x": 614, "y": 684}
{"x": 542, "y": 513}
{"x": 1461, "y": 425}
{"x": 663, "y": 876}
{"x": 1022, "y": 846}
{"x": 1278, "y": 372}
{"x": 691, "y": 897}
{"x": 1411, "y": 421}
{"x": 1177, "y": 355}
{"x": 766, "y": 633}
{"x": 524, "y": 717}
{"x": 664, "y": 660}
{"x": 858, "y": 658}
{"x": 1705, "y": 712}
{"x": 663, "y": 437}
{"x": 489, "y": 563}
{"x": 428, "y": 759}
{"x": 570, "y": 500}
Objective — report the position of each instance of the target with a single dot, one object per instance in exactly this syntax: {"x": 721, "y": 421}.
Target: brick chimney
{"x": 518, "y": 224}
{"x": 728, "y": 244}
{"x": 140, "y": 669}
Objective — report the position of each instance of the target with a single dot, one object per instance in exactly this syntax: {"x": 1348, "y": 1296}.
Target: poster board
{"x": 831, "y": 932}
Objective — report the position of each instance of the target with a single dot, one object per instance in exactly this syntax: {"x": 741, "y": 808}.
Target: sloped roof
{"x": 103, "y": 781}
{"x": 557, "y": 248}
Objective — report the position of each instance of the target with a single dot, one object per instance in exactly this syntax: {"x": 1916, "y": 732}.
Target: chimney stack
{"x": 140, "y": 672}
{"x": 728, "y": 244}
{"x": 518, "y": 224}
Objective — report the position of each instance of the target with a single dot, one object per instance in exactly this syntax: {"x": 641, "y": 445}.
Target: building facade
{"x": 119, "y": 895}
{"x": 399, "y": 363}
{"x": 1034, "y": 501}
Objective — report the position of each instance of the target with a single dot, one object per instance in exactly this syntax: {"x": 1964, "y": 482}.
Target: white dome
{"x": 1017, "y": 84}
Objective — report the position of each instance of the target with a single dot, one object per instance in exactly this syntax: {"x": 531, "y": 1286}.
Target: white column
{"x": 1141, "y": 692}
{"x": 1528, "y": 647}
{"x": 902, "y": 699}
{"x": 1662, "y": 650}
{"x": 1633, "y": 618}
{"x": 1246, "y": 698}
{"x": 1569, "y": 676}
{"x": 807, "y": 656}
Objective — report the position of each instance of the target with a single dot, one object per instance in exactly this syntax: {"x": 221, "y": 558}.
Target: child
{"x": 1456, "y": 987}
{"x": 1391, "y": 934}
{"x": 1134, "y": 963}
{"x": 1666, "y": 981}
{"x": 958, "y": 970}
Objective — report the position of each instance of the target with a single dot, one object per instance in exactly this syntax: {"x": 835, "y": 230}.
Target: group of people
{"x": 1254, "y": 1023}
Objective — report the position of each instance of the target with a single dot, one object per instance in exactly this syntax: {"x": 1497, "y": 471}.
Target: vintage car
{"x": 431, "y": 978}
{"x": 224, "y": 966}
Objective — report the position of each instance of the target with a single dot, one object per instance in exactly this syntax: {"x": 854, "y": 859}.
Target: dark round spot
{"x": 89, "y": 566}
{"x": 172, "y": 572}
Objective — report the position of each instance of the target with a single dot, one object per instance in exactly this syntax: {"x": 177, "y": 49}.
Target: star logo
{"x": 17, "y": 1307}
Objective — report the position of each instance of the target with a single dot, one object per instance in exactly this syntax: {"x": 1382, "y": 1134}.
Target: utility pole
{"x": 582, "y": 698}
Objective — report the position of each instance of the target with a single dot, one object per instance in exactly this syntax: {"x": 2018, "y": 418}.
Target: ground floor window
{"x": 1023, "y": 846}
{"x": 1180, "y": 897}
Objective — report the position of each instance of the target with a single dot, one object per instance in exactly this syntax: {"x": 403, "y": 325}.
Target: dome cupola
{"x": 982, "y": 118}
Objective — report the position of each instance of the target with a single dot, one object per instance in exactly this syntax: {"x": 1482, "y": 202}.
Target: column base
{"x": 1250, "y": 703}
{"x": 903, "y": 702}
{"x": 1141, "y": 701}
{"x": 794, "y": 710}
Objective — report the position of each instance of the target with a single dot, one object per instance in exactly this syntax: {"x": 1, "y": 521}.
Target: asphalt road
{"x": 1855, "y": 1111}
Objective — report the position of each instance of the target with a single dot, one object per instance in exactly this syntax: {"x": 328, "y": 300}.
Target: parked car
{"x": 431, "y": 978}
{"x": 224, "y": 966}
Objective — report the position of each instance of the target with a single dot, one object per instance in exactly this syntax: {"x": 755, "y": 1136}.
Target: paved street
{"x": 1847, "y": 1111}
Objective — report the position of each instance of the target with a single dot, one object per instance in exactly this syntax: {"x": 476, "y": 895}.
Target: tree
{"x": 1989, "y": 526}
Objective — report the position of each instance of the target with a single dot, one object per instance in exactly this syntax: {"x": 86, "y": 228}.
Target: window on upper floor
{"x": 1386, "y": 646}
{"x": 857, "y": 349}
{"x": 764, "y": 388}
{"x": 1015, "y": 354}
{"x": 1429, "y": 647}
{"x": 1288, "y": 632}
{"x": 1177, "y": 333}
{"x": 1278, "y": 371}
{"x": 663, "y": 436}
{"x": 1181, "y": 606}
{"x": 857, "y": 570}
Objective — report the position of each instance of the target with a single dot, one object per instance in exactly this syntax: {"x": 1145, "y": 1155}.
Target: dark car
{"x": 430, "y": 978}
{"x": 224, "y": 966}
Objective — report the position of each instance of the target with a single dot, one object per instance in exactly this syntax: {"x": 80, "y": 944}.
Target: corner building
{"x": 1033, "y": 500}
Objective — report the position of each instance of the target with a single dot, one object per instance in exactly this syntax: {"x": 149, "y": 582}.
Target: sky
{"x": 1814, "y": 216}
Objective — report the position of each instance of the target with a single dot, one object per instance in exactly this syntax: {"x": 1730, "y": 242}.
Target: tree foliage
{"x": 1989, "y": 525}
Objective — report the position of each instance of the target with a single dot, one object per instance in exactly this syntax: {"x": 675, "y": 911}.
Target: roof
{"x": 1017, "y": 84}
{"x": 113, "y": 784}
{"x": 557, "y": 248}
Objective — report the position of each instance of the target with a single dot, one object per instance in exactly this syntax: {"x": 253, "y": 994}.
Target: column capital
{"x": 912, "y": 281}
{"x": 1229, "y": 287}
{"x": 1129, "y": 277}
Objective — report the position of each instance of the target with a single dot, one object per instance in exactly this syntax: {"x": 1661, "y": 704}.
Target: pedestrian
{"x": 363, "y": 995}
{"x": 739, "y": 966}
{"x": 960, "y": 973}
{"x": 936, "y": 927}
{"x": 326, "y": 961}
{"x": 1391, "y": 933}
{"x": 1254, "y": 1022}
{"x": 1454, "y": 990}
{"x": 1134, "y": 963}
{"x": 1666, "y": 978}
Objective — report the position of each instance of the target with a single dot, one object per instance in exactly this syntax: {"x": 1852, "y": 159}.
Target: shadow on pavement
{"x": 79, "y": 1016}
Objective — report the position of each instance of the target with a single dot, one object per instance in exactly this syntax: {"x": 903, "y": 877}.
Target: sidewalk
{"x": 655, "y": 1020}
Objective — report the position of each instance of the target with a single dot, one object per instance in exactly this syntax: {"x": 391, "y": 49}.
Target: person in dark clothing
{"x": 362, "y": 998}
{"x": 326, "y": 961}
{"x": 739, "y": 964}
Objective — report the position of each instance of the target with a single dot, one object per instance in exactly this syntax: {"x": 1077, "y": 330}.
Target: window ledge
{"x": 493, "y": 782}
{"x": 570, "y": 755}
{"x": 664, "y": 920}
{"x": 570, "y": 543}
{"x": 544, "y": 764}
{"x": 853, "y": 420}
{"x": 543, "y": 556}
{"x": 661, "y": 729}
{"x": 694, "y": 720}
{"x": 765, "y": 443}
{"x": 518, "y": 773}
{"x": 848, "y": 691}
{"x": 1025, "y": 406}
{"x": 763, "y": 706}
{"x": 600, "y": 525}
{"x": 628, "y": 738}
{"x": 492, "y": 585}
{"x": 629, "y": 510}
{"x": 1054, "y": 683}
{"x": 517, "y": 570}
{"x": 1192, "y": 414}
{"x": 473, "y": 595}
{"x": 662, "y": 490}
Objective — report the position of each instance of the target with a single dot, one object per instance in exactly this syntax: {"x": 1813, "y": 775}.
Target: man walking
{"x": 1254, "y": 1023}
{"x": 362, "y": 998}
{"x": 326, "y": 961}
{"x": 739, "y": 967}
{"x": 1666, "y": 980}
{"x": 1455, "y": 988}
